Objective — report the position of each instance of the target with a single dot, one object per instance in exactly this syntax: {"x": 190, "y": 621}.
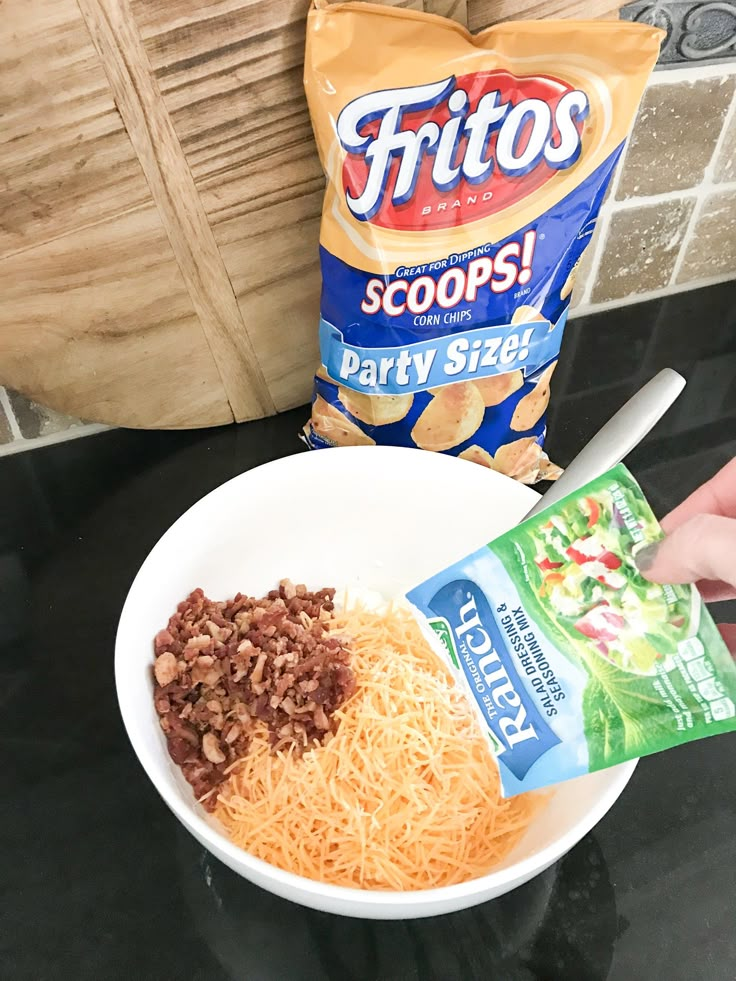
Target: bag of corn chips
{"x": 464, "y": 177}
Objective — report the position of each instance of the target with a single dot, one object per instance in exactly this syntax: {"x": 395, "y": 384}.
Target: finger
{"x": 728, "y": 632}
{"x": 716, "y": 496}
{"x": 704, "y": 547}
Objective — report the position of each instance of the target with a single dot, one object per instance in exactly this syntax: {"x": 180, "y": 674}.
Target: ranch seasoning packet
{"x": 572, "y": 659}
{"x": 465, "y": 173}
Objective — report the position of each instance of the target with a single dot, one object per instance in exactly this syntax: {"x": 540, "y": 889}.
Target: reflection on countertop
{"x": 563, "y": 922}
{"x": 99, "y": 880}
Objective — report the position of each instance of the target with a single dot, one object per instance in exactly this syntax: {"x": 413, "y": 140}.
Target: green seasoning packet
{"x": 574, "y": 661}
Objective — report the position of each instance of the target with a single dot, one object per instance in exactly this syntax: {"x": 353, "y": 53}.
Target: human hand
{"x": 700, "y": 544}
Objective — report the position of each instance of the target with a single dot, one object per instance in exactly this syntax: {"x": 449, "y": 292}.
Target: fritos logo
{"x": 451, "y": 151}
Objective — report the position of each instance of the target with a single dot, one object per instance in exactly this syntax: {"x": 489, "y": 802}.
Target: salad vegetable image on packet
{"x": 573, "y": 661}
{"x": 464, "y": 177}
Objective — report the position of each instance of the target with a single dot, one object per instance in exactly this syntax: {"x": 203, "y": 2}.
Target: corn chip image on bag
{"x": 464, "y": 178}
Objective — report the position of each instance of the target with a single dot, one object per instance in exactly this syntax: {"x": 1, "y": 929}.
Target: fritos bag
{"x": 464, "y": 177}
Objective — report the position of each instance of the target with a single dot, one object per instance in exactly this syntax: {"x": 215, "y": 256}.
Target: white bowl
{"x": 382, "y": 518}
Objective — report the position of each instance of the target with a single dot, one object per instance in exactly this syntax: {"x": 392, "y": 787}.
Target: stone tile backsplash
{"x": 668, "y": 223}
{"x": 669, "y": 220}
{"x": 6, "y": 435}
{"x": 712, "y": 250}
{"x": 36, "y": 420}
{"x": 662, "y": 155}
{"x": 724, "y": 166}
{"x": 25, "y": 424}
{"x": 642, "y": 245}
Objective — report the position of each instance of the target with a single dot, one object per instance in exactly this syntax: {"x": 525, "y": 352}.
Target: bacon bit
{"x": 257, "y": 673}
{"x": 232, "y": 734}
{"x": 199, "y": 643}
{"x": 206, "y": 671}
{"x": 287, "y": 704}
{"x": 163, "y": 706}
{"x": 163, "y": 641}
{"x": 232, "y": 665}
{"x": 165, "y": 668}
{"x": 211, "y": 748}
{"x": 218, "y": 632}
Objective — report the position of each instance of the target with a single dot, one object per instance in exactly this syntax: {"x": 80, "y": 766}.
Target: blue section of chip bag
{"x": 562, "y": 234}
{"x": 529, "y": 320}
{"x": 460, "y": 356}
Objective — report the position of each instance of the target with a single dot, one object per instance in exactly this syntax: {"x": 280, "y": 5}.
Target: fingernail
{"x": 645, "y": 557}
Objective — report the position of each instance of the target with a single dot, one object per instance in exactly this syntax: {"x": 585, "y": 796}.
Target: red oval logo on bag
{"x": 456, "y": 150}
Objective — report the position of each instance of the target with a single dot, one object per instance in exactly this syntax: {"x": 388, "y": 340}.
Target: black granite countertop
{"x": 100, "y": 882}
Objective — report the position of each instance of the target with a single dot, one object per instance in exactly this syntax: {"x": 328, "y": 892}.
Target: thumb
{"x": 702, "y": 548}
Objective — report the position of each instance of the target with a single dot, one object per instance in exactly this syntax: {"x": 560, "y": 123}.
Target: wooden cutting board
{"x": 159, "y": 204}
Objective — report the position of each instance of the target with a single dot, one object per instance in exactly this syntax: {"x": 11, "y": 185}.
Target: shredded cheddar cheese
{"x": 406, "y": 793}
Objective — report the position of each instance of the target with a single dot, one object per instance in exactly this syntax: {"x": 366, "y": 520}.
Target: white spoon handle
{"x": 625, "y": 430}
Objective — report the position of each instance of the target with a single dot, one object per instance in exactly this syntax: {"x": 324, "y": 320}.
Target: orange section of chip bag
{"x": 464, "y": 178}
